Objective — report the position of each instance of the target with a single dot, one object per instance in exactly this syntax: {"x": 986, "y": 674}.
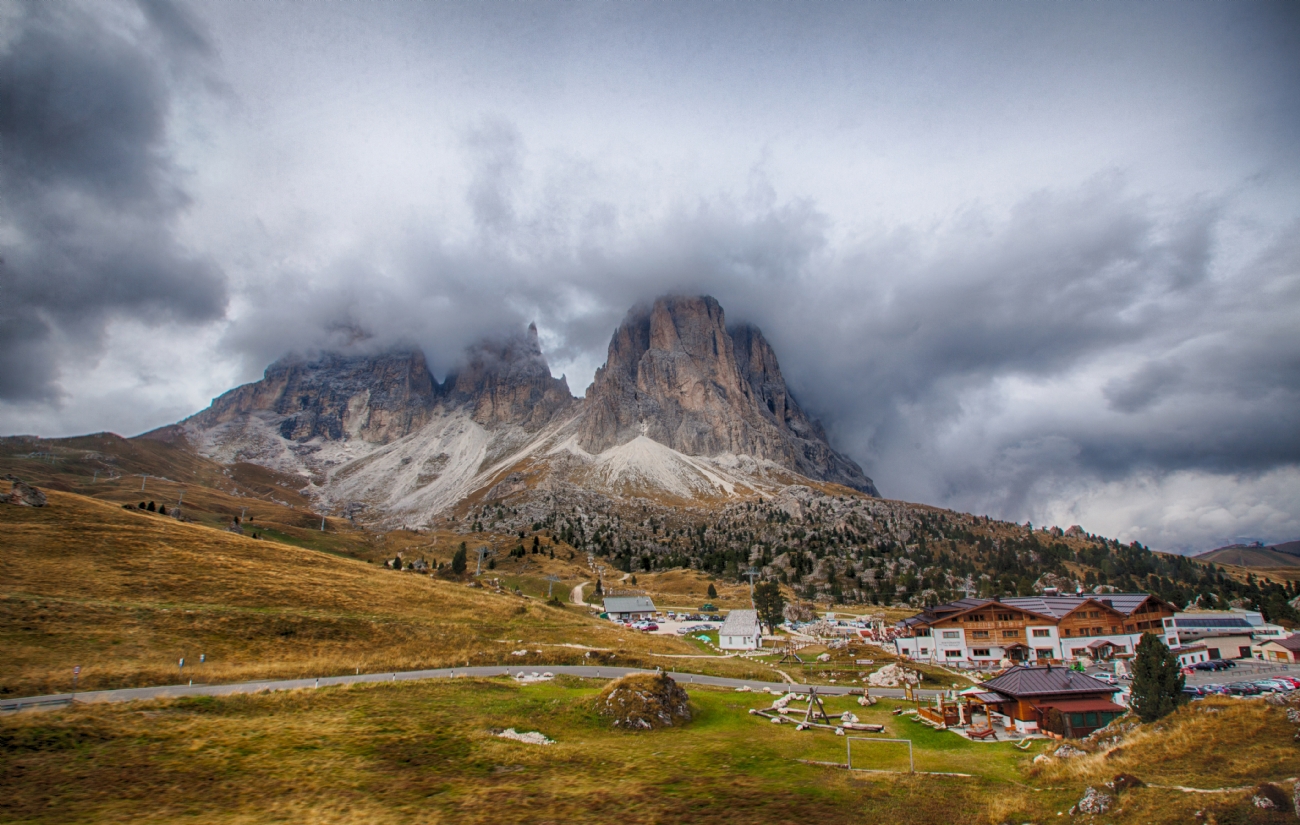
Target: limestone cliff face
{"x": 678, "y": 376}
{"x": 376, "y": 398}
{"x": 508, "y": 382}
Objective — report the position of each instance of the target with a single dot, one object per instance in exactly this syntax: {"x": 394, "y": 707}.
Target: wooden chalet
{"x": 1054, "y": 699}
{"x": 983, "y": 632}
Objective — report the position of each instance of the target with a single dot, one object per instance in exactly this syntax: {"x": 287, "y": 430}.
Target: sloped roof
{"x": 1291, "y": 642}
{"x": 1054, "y": 607}
{"x": 1046, "y": 681}
{"x": 740, "y": 623}
{"x": 629, "y": 604}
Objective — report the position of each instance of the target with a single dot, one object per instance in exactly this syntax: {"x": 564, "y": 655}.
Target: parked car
{"x": 1291, "y": 680}
{"x": 1273, "y": 685}
{"x": 1243, "y": 689}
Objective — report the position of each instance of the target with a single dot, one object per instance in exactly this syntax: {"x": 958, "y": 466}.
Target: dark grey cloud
{"x": 1015, "y": 256}
{"x": 89, "y": 195}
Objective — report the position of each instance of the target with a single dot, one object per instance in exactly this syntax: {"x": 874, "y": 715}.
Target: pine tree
{"x": 1157, "y": 680}
{"x": 458, "y": 561}
{"x": 713, "y": 591}
{"x": 769, "y": 603}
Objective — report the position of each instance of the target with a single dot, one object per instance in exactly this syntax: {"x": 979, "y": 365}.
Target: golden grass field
{"x": 425, "y": 752}
{"x": 125, "y": 594}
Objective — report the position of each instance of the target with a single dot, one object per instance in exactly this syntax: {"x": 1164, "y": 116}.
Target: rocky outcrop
{"x": 508, "y": 382}
{"x": 377, "y": 398}
{"x": 23, "y": 494}
{"x": 644, "y": 701}
{"x": 677, "y": 375}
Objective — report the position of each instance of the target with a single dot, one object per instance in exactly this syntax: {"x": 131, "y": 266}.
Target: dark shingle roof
{"x": 1044, "y": 681}
{"x": 1291, "y": 642}
{"x": 1054, "y": 607}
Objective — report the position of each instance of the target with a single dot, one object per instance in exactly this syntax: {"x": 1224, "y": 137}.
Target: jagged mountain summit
{"x": 678, "y": 376}
{"x": 685, "y": 409}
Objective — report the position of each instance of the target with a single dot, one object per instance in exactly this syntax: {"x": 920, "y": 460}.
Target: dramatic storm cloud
{"x": 88, "y": 193}
{"x": 1036, "y": 261}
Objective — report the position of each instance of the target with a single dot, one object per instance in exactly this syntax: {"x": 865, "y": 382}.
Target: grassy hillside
{"x": 425, "y": 752}
{"x": 124, "y": 594}
{"x": 1257, "y": 559}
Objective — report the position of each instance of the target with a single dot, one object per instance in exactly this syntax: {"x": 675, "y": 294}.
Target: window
{"x": 925, "y": 650}
{"x": 1006, "y": 617}
{"x": 1078, "y": 651}
{"x": 1042, "y": 633}
{"x": 952, "y": 654}
{"x": 1091, "y": 719}
{"x": 1010, "y": 634}
{"x": 952, "y": 634}
{"x": 1094, "y": 614}
{"x": 1044, "y": 652}
{"x": 1076, "y": 720}
{"x": 1067, "y": 631}
{"x": 979, "y": 634}
{"x": 1083, "y": 631}
{"x": 980, "y": 651}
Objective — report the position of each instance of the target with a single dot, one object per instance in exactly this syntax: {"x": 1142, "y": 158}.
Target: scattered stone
{"x": 1123, "y": 781}
{"x": 825, "y": 657}
{"x": 530, "y": 738}
{"x": 1092, "y": 802}
{"x": 1041, "y": 759}
{"x": 893, "y": 675}
{"x": 23, "y": 494}
{"x": 1068, "y": 752}
{"x": 1270, "y": 797}
{"x": 644, "y": 701}
{"x": 529, "y": 678}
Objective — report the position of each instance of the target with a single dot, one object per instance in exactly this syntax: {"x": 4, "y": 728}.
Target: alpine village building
{"x": 1050, "y": 628}
{"x": 1056, "y": 699}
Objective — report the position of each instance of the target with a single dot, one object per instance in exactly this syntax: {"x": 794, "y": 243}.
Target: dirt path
{"x": 575, "y": 595}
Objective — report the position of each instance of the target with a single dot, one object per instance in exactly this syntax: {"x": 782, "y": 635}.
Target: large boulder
{"x": 23, "y": 494}
{"x": 644, "y": 701}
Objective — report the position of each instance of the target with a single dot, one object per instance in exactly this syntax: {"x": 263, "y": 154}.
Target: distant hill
{"x": 1272, "y": 557}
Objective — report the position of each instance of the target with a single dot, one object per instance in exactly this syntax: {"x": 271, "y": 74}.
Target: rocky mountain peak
{"x": 377, "y": 397}
{"x": 676, "y": 374}
{"x": 507, "y": 381}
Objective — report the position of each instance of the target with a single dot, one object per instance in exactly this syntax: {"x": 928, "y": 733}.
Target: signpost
{"x": 76, "y": 671}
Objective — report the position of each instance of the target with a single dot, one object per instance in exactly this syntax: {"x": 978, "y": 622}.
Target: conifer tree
{"x": 458, "y": 561}
{"x": 713, "y": 591}
{"x": 769, "y": 603}
{"x": 1157, "y": 680}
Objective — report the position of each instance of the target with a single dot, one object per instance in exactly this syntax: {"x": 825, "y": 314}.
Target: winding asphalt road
{"x": 176, "y": 691}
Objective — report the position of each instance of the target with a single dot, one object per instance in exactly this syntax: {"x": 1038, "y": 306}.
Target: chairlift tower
{"x": 751, "y": 573}
{"x": 482, "y": 551}
{"x": 551, "y": 580}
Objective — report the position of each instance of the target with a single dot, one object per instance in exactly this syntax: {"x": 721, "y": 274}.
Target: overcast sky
{"x": 1034, "y": 260}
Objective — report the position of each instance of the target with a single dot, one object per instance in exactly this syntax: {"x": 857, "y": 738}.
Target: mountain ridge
{"x": 685, "y": 408}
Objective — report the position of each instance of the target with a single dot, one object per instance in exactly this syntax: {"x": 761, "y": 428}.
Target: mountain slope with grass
{"x": 124, "y": 594}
